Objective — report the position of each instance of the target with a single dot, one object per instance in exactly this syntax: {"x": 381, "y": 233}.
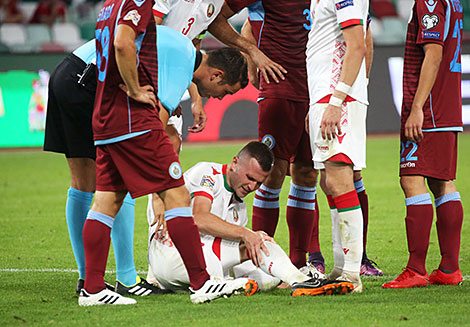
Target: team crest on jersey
{"x": 133, "y": 16}
{"x": 429, "y": 21}
{"x": 208, "y": 182}
{"x": 344, "y": 4}
{"x": 210, "y": 10}
{"x": 175, "y": 170}
{"x": 269, "y": 141}
{"x": 235, "y": 215}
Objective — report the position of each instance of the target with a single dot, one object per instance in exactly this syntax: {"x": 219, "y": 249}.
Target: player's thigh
{"x": 82, "y": 174}
{"x": 142, "y": 165}
{"x": 434, "y": 157}
{"x": 281, "y": 125}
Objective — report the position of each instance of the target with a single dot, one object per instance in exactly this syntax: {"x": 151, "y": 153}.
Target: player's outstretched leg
{"x": 215, "y": 288}
{"x": 103, "y": 297}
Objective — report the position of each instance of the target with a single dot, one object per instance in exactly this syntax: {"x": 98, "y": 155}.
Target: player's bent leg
{"x": 449, "y": 225}
{"x": 266, "y": 202}
{"x": 174, "y": 137}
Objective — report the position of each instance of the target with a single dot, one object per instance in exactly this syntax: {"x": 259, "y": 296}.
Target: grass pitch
{"x": 38, "y": 276}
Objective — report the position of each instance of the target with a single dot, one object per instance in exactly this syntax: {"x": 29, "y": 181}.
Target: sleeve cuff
{"x": 351, "y": 22}
{"x": 202, "y": 193}
{"x": 158, "y": 14}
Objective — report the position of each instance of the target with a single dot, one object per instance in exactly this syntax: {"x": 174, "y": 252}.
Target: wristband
{"x": 343, "y": 87}
{"x": 334, "y": 101}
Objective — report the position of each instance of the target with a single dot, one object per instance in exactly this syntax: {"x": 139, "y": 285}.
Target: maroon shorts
{"x": 141, "y": 165}
{"x": 281, "y": 126}
{"x": 435, "y": 156}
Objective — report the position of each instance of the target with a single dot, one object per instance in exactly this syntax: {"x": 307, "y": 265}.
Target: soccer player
{"x": 192, "y": 19}
{"x": 68, "y": 130}
{"x": 217, "y": 193}
{"x": 133, "y": 151}
{"x": 282, "y": 109}
{"x": 431, "y": 118}
{"x": 337, "y": 121}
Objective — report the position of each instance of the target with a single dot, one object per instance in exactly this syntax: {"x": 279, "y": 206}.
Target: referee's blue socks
{"x": 76, "y": 210}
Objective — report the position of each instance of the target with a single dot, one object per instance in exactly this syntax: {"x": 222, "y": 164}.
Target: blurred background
{"x": 36, "y": 35}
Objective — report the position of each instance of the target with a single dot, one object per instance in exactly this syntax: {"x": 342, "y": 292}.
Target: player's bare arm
{"x": 247, "y": 33}
{"x": 126, "y": 60}
{"x": 355, "y": 52}
{"x": 427, "y": 77}
{"x": 223, "y": 31}
{"x": 159, "y": 212}
{"x": 210, "y": 224}
{"x": 369, "y": 51}
{"x": 197, "y": 109}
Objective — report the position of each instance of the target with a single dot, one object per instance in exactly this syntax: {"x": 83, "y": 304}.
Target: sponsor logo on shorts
{"x": 323, "y": 147}
{"x": 429, "y": 21}
{"x": 344, "y": 4}
{"x": 208, "y": 182}
{"x": 430, "y": 35}
{"x": 235, "y": 215}
{"x": 133, "y": 16}
{"x": 269, "y": 141}
{"x": 175, "y": 170}
{"x": 408, "y": 165}
{"x": 210, "y": 10}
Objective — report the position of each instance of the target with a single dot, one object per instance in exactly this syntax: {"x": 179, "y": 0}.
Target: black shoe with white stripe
{"x": 141, "y": 288}
{"x": 81, "y": 283}
{"x": 214, "y": 288}
{"x": 104, "y": 297}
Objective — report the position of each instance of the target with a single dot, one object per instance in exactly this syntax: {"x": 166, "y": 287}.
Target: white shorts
{"x": 177, "y": 122}
{"x": 352, "y": 141}
{"x": 168, "y": 268}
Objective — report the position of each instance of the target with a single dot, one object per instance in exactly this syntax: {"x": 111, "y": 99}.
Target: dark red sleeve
{"x": 237, "y": 5}
{"x": 431, "y": 19}
{"x": 136, "y": 17}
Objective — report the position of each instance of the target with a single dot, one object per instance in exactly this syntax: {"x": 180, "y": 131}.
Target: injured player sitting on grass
{"x": 229, "y": 247}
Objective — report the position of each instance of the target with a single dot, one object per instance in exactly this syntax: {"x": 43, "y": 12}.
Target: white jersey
{"x": 326, "y": 47}
{"x": 209, "y": 179}
{"x": 190, "y": 17}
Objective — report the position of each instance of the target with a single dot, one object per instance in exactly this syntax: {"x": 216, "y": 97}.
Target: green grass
{"x": 33, "y": 235}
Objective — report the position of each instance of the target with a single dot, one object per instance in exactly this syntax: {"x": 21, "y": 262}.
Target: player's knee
{"x": 440, "y": 187}
{"x": 303, "y": 174}
{"x": 357, "y": 175}
{"x": 176, "y": 197}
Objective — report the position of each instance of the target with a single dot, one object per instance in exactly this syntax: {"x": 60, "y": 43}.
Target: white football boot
{"x": 214, "y": 288}
{"x": 104, "y": 297}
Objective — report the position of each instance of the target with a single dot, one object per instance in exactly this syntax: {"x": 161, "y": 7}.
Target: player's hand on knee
{"x": 144, "y": 94}
{"x": 254, "y": 243}
{"x": 330, "y": 123}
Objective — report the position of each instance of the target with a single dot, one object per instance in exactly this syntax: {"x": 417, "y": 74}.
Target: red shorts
{"x": 435, "y": 156}
{"x": 281, "y": 126}
{"x": 141, "y": 165}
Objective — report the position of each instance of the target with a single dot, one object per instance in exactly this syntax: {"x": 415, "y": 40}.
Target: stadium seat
{"x": 4, "y": 48}
{"x": 14, "y": 36}
{"x": 87, "y": 30}
{"x": 37, "y": 34}
{"x": 68, "y": 35}
{"x": 404, "y": 8}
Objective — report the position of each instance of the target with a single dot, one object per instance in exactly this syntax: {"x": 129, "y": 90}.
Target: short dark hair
{"x": 261, "y": 152}
{"x": 232, "y": 63}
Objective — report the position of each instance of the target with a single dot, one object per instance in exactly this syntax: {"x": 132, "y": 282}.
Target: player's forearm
{"x": 126, "y": 58}
{"x": 428, "y": 74}
{"x": 194, "y": 94}
{"x": 353, "y": 58}
{"x": 210, "y": 224}
{"x": 369, "y": 52}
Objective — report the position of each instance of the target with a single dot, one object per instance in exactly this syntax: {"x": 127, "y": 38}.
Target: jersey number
{"x": 102, "y": 36}
{"x": 409, "y": 156}
{"x": 308, "y": 17}
{"x": 455, "y": 66}
{"x": 186, "y": 29}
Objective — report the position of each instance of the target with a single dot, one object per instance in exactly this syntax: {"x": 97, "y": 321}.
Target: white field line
{"x": 386, "y": 277}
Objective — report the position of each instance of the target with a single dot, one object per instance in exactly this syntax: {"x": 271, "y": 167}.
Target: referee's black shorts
{"x": 70, "y": 110}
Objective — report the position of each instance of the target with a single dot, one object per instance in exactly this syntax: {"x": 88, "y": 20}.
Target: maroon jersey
{"x": 116, "y": 116}
{"x": 435, "y": 21}
{"x": 283, "y": 39}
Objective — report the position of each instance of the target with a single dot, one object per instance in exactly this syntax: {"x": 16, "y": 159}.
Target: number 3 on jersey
{"x": 185, "y": 30}
{"x": 102, "y": 36}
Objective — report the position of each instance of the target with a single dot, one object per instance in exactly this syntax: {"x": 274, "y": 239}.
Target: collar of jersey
{"x": 227, "y": 187}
